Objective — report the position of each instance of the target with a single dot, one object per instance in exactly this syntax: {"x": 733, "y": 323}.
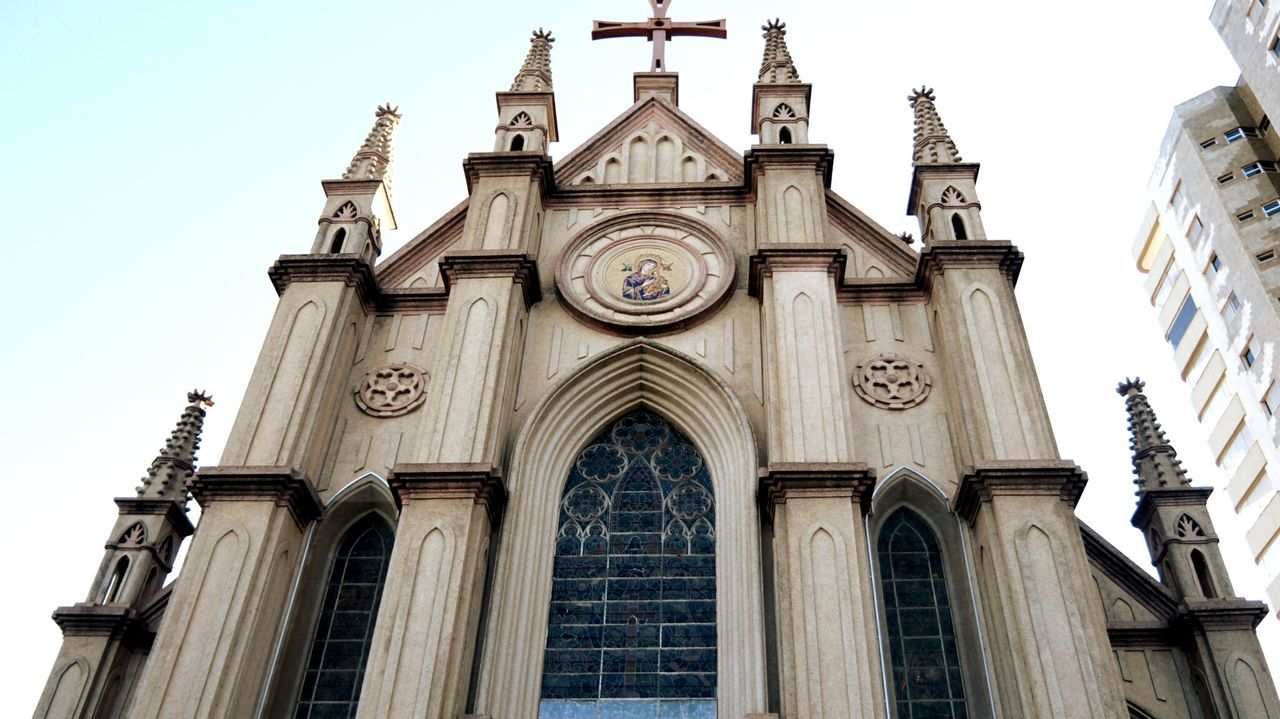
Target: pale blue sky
{"x": 160, "y": 155}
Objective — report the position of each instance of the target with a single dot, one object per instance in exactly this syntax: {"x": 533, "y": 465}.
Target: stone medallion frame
{"x": 706, "y": 267}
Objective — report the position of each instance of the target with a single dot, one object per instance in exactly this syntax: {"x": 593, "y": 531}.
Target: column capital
{"x": 481, "y": 483}
{"x": 1222, "y": 615}
{"x": 1042, "y": 477}
{"x": 173, "y": 512}
{"x": 284, "y": 486}
{"x": 535, "y": 166}
{"x": 787, "y": 257}
{"x": 785, "y": 480}
{"x": 519, "y": 266}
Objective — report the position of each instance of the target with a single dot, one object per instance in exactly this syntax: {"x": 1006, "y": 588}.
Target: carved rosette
{"x": 645, "y": 272}
{"x": 892, "y": 382}
{"x": 392, "y": 391}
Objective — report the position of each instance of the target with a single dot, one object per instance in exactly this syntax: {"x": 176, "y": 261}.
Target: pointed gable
{"x": 873, "y": 251}
{"x": 652, "y": 142}
{"x": 417, "y": 264}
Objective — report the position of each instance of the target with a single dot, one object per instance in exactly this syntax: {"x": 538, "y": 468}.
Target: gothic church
{"x": 656, "y": 430}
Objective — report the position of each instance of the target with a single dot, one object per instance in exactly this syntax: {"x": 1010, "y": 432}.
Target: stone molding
{"x": 948, "y": 171}
{"x": 1141, "y": 635}
{"x": 665, "y": 85}
{"x": 1154, "y": 595}
{"x": 942, "y": 255}
{"x": 97, "y": 620}
{"x": 284, "y": 486}
{"x": 348, "y": 269}
{"x": 765, "y": 157}
{"x": 173, "y": 512}
{"x": 534, "y": 165}
{"x": 762, "y": 90}
{"x": 521, "y": 98}
{"x": 519, "y": 266}
{"x": 812, "y": 480}
{"x": 771, "y": 257}
{"x": 1152, "y": 500}
{"x": 649, "y": 196}
{"x": 1221, "y": 615}
{"x": 481, "y": 483}
{"x": 1044, "y": 477}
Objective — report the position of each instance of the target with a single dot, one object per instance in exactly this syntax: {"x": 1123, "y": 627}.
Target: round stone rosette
{"x": 892, "y": 382}
{"x": 392, "y": 391}
{"x": 645, "y": 272}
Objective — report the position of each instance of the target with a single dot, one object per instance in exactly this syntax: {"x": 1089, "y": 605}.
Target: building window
{"x": 1245, "y": 216}
{"x": 1215, "y": 262}
{"x": 1167, "y": 284}
{"x": 1247, "y": 358}
{"x": 1271, "y": 208}
{"x": 1236, "y": 449}
{"x": 1224, "y": 179}
{"x": 633, "y": 599}
{"x": 1195, "y": 231}
{"x": 1252, "y": 169}
{"x": 1271, "y": 400}
{"x": 1267, "y": 256}
{"x": 344, "y": 633}
{"x": 923, "y": 655}
{"x": 1182, "y": 322}
{"x": 1240, "y": 133}
{"x": 1209, "y": 143}
{"x": 1217, "y": 402}
{"x": 1199, "y": 358}
{"x": 1231, "y": 308}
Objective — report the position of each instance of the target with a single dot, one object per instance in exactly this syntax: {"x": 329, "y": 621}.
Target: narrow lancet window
{"x": 112, "y": 592}
{"x": 632, "y": 628}
{"x": 339, "y": 239}
{"x": 517, "y": 143}
{"x": 957, "y": 225}
{"x": 1201, "y": 567}
{"x": 926, "y": 679}
{"x": 344, "y": 633}
{"x": 784, "y": 136}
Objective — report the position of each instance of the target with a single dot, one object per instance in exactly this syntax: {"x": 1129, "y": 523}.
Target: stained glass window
{"x": 340, "y": 649}
{"x": 922, "y": 643}
{"x": 632, "y": 629}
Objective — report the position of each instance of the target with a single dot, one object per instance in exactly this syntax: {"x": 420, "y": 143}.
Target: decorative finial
{"x": 175, "y": 464}
{"x": 198, "y": 397}
{"x": 933, "y": 146}
{"x": 388, "y": 109}
{"x": 777, "y": 67}
{"x": 908, "y": 238}
{"x": 1155, "y": 462}
{"x": 374, "y": 158}
{"x": 535, "y": 74}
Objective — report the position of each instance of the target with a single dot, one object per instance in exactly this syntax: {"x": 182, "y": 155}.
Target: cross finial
{"x": 659, "y": 30}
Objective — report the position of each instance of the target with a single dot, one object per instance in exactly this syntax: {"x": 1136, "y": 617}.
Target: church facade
{"x": 656, "y": 430}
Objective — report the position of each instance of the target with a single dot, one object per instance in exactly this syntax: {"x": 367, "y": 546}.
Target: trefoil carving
{"x": 392, "y": 391}
{"x": 892, "y": 382}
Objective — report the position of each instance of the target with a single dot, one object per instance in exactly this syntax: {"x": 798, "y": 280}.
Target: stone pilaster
{"x": 829, "y": 663}
{"x": 211, "y": 656}
{"x": 807, "y": 389}
{"x": 1048, "y": 639}
{"x": 425, "y": 638}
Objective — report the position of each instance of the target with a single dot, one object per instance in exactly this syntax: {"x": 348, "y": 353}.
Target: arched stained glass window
{"x": 632, "y": 629}
{"x": 344, "y": 633}
{"x": 925, "y": 661}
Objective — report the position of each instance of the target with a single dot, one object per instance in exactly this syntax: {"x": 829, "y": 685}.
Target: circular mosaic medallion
{"x": 892, "y": 382}
{"x": 645, "y": 272}
{"x": 392, "y": 391}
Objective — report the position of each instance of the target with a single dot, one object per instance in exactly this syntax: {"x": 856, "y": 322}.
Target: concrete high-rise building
{"x": 662, "y": 429}
{"x": 1210, "y": 250}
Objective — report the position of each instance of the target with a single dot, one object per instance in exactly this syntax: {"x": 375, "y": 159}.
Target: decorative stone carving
{"x": 892, "y": 382}
{"x": 392, "y": 391}
{"x": 645, "y": 272}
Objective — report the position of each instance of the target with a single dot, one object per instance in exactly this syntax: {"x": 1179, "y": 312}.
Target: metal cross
{"x": 659, "y": 30}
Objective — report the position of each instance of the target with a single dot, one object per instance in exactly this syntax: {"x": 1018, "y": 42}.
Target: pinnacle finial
{"x": 535, "y": 74}
{"x": 170, "y": 471}
{"x": 1155, "y": 462}
{"x": 777, "y": 67}
{"x": 373, "y": 160}
{"x": 933, "y": 146}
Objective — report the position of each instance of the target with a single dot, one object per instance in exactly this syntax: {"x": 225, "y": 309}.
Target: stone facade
{"x": 865, "y": 455}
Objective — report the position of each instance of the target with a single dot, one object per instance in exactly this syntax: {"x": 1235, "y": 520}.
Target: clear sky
{"x": 160, "y": 155}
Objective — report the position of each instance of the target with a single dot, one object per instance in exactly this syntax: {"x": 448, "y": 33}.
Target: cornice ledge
{"x": 1152, "y": 499}
{"x": 97, "y": 620}
{"x": 940, "y": 256}
{"x": 172, "y": 511}
{"x": 349, "y": 269}
{"x": 1141, "y": 635}
{"x": 521, "y": 268}
{"x": 1039, "y": 477}
{"x": 762, "y": 157}
{"x": 413, "y": 299}
{"x": 284, "y": 486}
{"x": 1222, "y": 615}
{"x": 785, "y": 480}
{"x": 777, "y": 256}
{"x": 533, "y": 164}
{"x": 479, "y": 482}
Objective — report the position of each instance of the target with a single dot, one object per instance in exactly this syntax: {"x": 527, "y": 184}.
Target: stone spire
{"x": 933, "y": 145}
{"x": 535, "y": 75}
{"x": 777, "y": 68}
{"x": 373, "y": 160}
{"x": 1155, "y": 462}
{"x": 176, "y": 463}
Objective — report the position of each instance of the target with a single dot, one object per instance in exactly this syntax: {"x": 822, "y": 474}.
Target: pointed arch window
{"x": 957, "y": 226}
{"x": 517, "y": 143}
{"x": 112, "y": 592}
{"x": 632, "y": 626}
{"x": 339, "y": 239}
{"x": 344, "y": 633}
{"x": 784, "y": 136}
{"x": 926, "y": 677}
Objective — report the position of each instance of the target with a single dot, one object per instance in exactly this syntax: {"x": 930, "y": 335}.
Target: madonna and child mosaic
{"x": 632, "y": 624}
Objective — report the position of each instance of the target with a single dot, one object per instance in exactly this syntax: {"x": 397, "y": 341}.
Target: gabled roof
{"x": 871, "y": 235}
{"x": 1150, "y": 593}
{"x": 422, "y": 249}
